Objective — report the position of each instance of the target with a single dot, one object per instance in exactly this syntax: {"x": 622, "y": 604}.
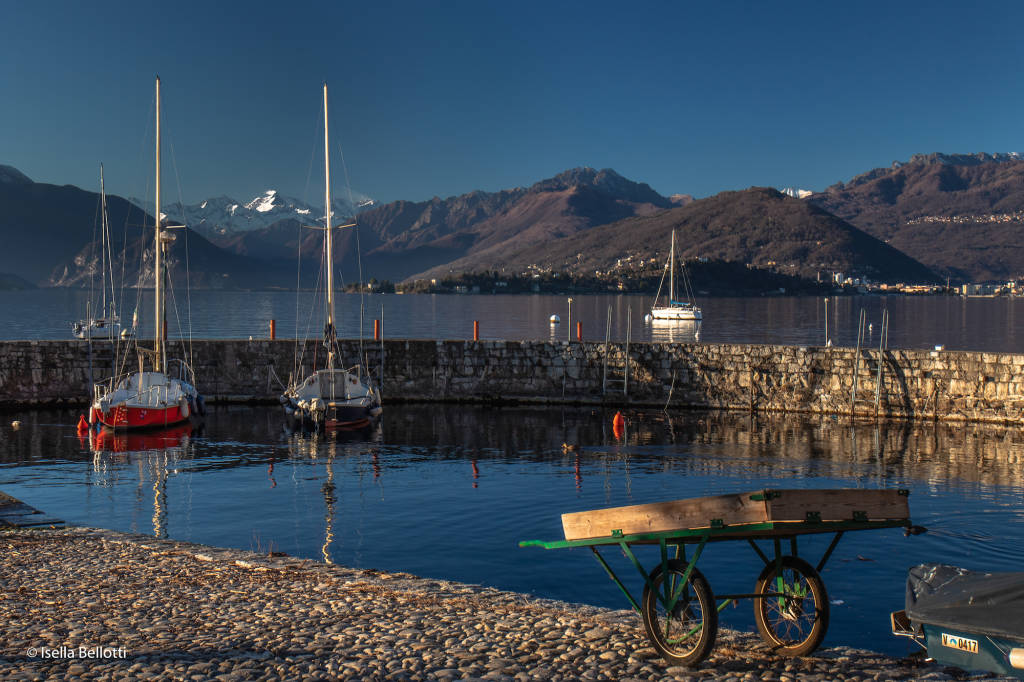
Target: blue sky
{"x": 441, "y": 98}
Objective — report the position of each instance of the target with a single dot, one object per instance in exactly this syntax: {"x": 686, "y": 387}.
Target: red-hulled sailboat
{"x": 150, "y": 399}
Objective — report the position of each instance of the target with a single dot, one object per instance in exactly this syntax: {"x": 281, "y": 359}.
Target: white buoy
{"x": 15, "y": 424}
{"x": 647, "y": 317}
{"x": 554, "y": 319}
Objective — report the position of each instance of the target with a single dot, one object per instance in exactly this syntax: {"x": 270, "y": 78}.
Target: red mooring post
{"x": 579, "y": 331}
{"x": 376, "y": 330}
{"x": 273, "y": 329}
{"x": 476, "y": 330}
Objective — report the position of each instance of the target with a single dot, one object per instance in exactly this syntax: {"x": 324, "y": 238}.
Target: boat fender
{"x": 183, "y": 407}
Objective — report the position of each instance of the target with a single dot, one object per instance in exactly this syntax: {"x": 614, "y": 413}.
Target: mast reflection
{"x": 157, "y": 454}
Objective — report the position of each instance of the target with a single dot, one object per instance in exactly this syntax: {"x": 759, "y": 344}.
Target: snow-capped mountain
{"x": 797, "y": 193}
{"x": 220, "y": 216}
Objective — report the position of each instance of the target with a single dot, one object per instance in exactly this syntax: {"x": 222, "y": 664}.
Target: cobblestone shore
{"x": 157, "y": 609}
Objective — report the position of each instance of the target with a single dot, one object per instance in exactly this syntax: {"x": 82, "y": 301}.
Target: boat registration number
{"x": 961, "y": 643}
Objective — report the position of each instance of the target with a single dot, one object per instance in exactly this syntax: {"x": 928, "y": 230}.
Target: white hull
{"x": 690, "y": 314}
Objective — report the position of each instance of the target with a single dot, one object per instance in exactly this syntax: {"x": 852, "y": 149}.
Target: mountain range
{"x": 960, "y": 214}
{"x": 931, "y": 217}
{"x": 51, "y": 238}
{"x": 223, "y": 218}
{"x": 760, "y": 227}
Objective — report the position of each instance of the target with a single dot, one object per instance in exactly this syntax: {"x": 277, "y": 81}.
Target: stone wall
{"x": 914, "y": 384}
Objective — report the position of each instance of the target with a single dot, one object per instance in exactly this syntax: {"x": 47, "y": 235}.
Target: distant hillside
{"x": 9, "y": 282}
{"x": 962, "y": 215}
{"x": 758, "y": 226}
{"x": 51, "y": 238}
{"x": 582, "y": 220}
{"x": 401, "y": 238}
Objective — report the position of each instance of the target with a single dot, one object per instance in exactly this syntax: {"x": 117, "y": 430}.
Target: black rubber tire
{"x": 796, "y": 624}
{"x": 696, "y": 610}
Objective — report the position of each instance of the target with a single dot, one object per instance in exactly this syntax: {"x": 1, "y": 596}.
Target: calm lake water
{"x": 448, "y": 492}
{"x": 983, "y": 324}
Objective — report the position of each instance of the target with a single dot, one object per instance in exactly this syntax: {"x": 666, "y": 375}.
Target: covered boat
{"x": 969, "y": 619}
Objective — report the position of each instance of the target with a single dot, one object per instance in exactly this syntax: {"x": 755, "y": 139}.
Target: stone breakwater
{"x": 160, "y": 609}
{"x": 946, "y": 385}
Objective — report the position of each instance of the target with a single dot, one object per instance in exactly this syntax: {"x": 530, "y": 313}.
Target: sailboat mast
{"x": 103, "y": 242}
{"x": 158, "y": 350}
{"x": 672, "y": 270}
{"x": 329, "y": 240}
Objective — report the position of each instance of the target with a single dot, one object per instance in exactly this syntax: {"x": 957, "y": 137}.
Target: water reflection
{"x": 154, "y": 454}
{"x": 980, "y": 324}
{"x": 327, "y": 446}
{"x": 673, "y": 331}
{"x": 407, "y": 494}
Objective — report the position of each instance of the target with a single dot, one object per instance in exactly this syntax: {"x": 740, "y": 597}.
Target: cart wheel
{"x": 794, "y": 621}
{"x": 684, "y": 635}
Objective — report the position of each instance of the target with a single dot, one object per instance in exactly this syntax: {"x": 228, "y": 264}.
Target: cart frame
{"x": 674, "y": 595}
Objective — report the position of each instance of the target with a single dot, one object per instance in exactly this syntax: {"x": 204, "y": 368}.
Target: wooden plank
{"x": 736, "y": 509}
{"x": 838, "y": 504}
{"x": 695, "y": 512}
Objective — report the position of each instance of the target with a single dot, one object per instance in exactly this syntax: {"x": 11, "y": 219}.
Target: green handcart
{"x": 678, "y": 606}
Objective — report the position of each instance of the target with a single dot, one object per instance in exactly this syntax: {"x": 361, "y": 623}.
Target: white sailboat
{"x": 150, "y": 399}
{"x": 331, "y": 397}
{"x": 104, "y": 323}
{"x": 674, "y": 309}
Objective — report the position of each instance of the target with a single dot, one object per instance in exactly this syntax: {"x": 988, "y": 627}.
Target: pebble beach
{"x": 92, "y": 604}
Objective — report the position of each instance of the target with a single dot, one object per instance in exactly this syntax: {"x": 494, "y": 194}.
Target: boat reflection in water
{"x": 390, "y": 500}
{"x": 329, "y": 445}
{"x": 155, "y": 454}
{"x": 673, "y": 331}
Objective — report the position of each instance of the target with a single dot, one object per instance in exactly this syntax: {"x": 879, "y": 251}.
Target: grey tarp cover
{"x": 983, "y": 603}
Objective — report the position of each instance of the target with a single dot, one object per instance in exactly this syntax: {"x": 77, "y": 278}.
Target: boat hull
{"x": 331, "y": 398}
{"x": 688, "y": 314}
{"x": 124, "y": 417}
{"x": 146, "y": 400}
{"x": 340, "y": 417}
{"x": 971, "y": 651}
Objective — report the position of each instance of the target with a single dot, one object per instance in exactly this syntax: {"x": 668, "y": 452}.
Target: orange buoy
{"x": 83, "y": 424}
{"x": 618, "y": 425}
